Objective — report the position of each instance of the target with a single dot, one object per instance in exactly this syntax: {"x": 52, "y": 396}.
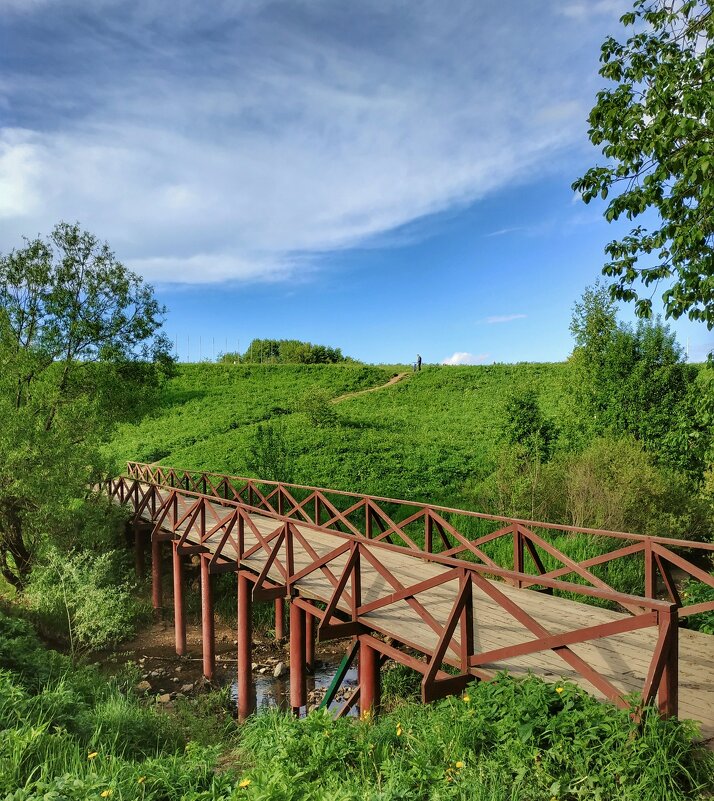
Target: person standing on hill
{"x": 418, "y": 363}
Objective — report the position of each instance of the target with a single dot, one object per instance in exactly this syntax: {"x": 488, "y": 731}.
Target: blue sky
{"x": 389, "y": 177}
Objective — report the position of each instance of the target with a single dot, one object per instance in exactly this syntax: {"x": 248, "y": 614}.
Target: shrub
{"x": 317, "y": 406}
{"x": 84, "y": 598}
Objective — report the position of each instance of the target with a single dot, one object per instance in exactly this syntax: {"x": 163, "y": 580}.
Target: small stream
{"x": 271, "y": 692}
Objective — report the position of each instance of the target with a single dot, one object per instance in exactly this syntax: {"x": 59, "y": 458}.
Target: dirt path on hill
{"x": 393, "y": 380}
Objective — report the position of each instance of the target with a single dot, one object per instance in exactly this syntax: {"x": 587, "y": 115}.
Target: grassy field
{"x": 421, "y": 439}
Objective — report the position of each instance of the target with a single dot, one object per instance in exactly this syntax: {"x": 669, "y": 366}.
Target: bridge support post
{"x": 298, "y": 680}
{"x": 279, "y": 619}
{"x": 157, "y": 600}
{"x": 310, "y": 643}
{"x": 139, "y": 549}
{"x": 369, "y": 678}
{"x": 208, "y": 638}
{"x": 246, "y": 695}
{"x": 179, "y": 620}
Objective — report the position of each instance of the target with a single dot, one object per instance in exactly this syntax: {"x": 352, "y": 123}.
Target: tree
{"x": 625, "y": 380}
{"x": 656, "y": 127}
{"x": 80, "y": 349}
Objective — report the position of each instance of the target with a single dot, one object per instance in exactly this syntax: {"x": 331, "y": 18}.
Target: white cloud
{"x": 503, "y": 231}
{"x": 462, "y": 357}
{"x": 504, "y": 318}
{"x": 586, "y": 9}
{"x": 237, "y": 144}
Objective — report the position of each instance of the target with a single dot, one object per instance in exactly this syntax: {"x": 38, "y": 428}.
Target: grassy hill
{"x": 421, "y": 438}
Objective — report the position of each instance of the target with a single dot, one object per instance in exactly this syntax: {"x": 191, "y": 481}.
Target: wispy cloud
{"x": 504, "y": 318}
{"x": 235, "y": 141}
{"x": 503, "y": 231}
{"x": 463, "y": 357}
{"x": 587, "y": 9}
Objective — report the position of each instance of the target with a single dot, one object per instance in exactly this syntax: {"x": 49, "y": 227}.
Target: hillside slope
{"x": 421, "y": 438}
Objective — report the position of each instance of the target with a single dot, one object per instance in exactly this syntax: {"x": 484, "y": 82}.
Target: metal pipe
{"x": 246, "y": 695}
{"x": 208, "y": 637}
{"x": 369, "y": 678}
{"x": 298, "y": 681}
{"x": 179, "y": 620}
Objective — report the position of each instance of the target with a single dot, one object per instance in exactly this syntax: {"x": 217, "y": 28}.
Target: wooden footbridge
{"x": 406, "y": 582}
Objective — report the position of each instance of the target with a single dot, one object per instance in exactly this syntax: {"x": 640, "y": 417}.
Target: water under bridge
{"x": 405, "y": 581}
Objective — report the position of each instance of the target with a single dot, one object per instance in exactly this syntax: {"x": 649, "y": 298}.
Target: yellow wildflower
{"x": 141, "y": 779}
{"x": 559, "y": 690}
{"x": 244, "y": 783}
{"x": 466, "y": 699}
{"x": 459, "y": 764}
{"x": 399, "y": 729}
{"x": 105, "y": 793}
{"x": 92, "y": 755}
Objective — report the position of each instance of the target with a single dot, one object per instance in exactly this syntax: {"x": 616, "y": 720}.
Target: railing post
{"x": 467, "y": 620}
{"x": 518, "y": 553}
{"x": 368, "y": 520}
{"x": 356, "y": 585}
{"x": 428, "y": 532}
{"x": 317, "y": 510}
{"x": 650, "y": 570}
{"x": 208, "y": 638}
{"x": 246, "y": 694}
{"x": 668, "y": 696}
{"x": 281, "y": 504}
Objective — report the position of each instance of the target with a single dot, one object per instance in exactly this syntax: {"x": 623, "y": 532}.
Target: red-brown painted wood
{"x": 298, "y": 680}
{"x": 179, "y": 620}
{"x": 246, "y": 693}
{"x": 208, "y": 634}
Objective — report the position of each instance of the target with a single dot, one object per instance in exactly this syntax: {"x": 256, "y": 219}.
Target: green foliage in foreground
{"x": 503, "y": 740}
{"x": 68, "y": 734}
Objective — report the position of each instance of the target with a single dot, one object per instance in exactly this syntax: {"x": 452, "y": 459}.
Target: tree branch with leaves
{"x": 656, "y": 128}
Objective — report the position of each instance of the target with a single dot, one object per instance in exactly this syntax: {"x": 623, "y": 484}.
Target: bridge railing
{"x": 645, "y": 565}
{"x": 201, "y": 522}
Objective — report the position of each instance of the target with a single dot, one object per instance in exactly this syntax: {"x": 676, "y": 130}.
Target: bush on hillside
{"x": 317, "y": 406}
{"x": 612, "y": 484}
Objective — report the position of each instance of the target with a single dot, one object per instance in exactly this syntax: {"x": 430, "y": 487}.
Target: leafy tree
{"x": 625, "y": 380}
{"x": 270, "y": 456}
{"x": 527, "y": 426}
{"x": 656, "y": 127}
{"x": 287, "y": 351}
{"x": 80, "y": 349}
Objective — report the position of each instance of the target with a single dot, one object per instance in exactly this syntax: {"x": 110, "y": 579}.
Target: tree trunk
{"x": 12, "y": 544}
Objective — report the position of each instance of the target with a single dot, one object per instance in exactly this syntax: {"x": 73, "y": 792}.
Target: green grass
{"x": 66, "y": 734}
{"x": 421, "y": 439}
